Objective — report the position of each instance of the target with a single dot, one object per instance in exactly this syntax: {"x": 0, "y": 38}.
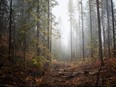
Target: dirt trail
{"x": 60, "y": 76}
{"x": 64, "y": 75}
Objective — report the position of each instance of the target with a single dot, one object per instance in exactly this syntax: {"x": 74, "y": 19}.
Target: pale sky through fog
{"x": 61, "y": 10}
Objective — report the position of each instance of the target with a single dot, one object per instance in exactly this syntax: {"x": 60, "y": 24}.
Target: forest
{"x": 57, "y": 43}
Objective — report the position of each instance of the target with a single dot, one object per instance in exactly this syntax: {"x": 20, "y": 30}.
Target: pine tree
{"x": 71, "y": 14}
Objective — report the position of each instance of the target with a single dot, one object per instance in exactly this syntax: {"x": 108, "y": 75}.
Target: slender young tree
{"x": 48, "y": 24}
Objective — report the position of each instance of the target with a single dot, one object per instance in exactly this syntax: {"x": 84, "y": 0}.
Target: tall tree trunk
{"x": 80, "y": 53}
{"x": 91, "y": 28}
{"x": 48, "y": 25}
{"x": 114, "y": 38}
{"x": 24, "y": 40}
{"x": 103, "y": 27}
{"x": 49, "y": 36}
{"x": 108, "y": 30}
{"x": 71, "y": 13}
{"x": 71, "y": 37}
{"x": 82, "y": 31}
{"x": 99, "y": 36}
{"x": 38, "y": 26}
{"x": 10, "y": 30}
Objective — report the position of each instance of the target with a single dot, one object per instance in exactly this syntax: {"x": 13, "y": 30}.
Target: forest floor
{"x": 81, "y": 75}
{"x": 62, "y": 74}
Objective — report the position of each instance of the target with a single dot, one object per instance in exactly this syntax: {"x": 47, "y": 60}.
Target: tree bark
{"x": 108, "y": 30}
{"x": 99, "y": 36}
{"x": 38, "y": 26}
{"x": 114, "y": 38}
{"x": 91, "y": 28}
{"x": 82, "y": 31}
{"x": 10, "y": 30}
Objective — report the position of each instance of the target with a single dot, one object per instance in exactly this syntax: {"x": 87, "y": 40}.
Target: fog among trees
{"x": 57, "y": 43}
